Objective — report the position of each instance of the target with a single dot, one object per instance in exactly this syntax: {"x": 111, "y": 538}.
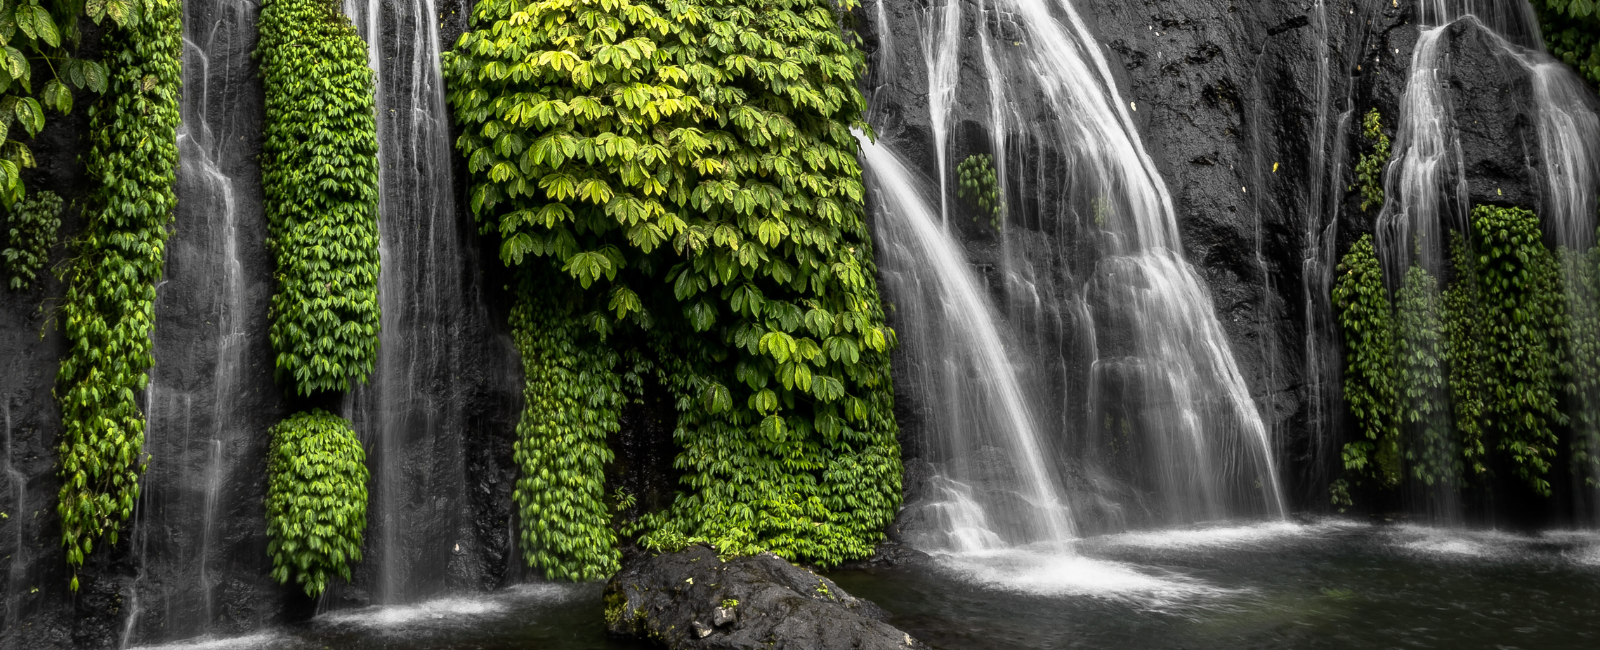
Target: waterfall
{"x": 419, "y": 538}
{"x": 205, "y": 454}
{"x": 1426, "y": 185}
{"x": 1104, "y": 387}
{"x": 944, "y": 72}
{"x": 962, "y": 364}
{"x": 17, "y": 574}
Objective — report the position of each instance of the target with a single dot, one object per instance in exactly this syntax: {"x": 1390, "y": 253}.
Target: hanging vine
{"x": 1582, "y": 369}
{"x": 1430, "y": 454}
{"x": 30, "y": 233}
{"x": 980, "y": 187}
{"x": 316, "y": 500}
{"x": 319, "y": 174}
{"x": 1521, "y": 297}
{"x": 574, "y": 397}
{"x": 698, "y": 156}
{"x": 1370, "y": 379}
{"x": 109, "y": 308}
{"x": 1369, "y": 170}
{"x": 36, "y": 31}
{"x": 1464, "y": 354}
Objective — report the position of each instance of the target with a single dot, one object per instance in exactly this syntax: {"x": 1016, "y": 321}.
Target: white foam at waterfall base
{"x": 451, "y": 608}
{"x": 1058, "y": 572}
{"x": 251, "y": 642}
{"x": 1217, "y": 536}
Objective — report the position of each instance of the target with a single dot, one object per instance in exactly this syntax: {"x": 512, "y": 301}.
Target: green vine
{"x": 1369, "y": 170}
{"x": 980, "y": 187}
{"x": 574, "y": 397}
{"x": 319, "y": 174}
{"x": 30, "y": 234}
{"x": 1463, "y": 333}
{"x": 316, "y": 500}
{"x": 33, "y": 31}
{"x": 1571, "y": 31}
{"x": 1521, "y": 298}
{"x": 108, "y": 311}
{"x": 1421, "y": 379}
{"x": 691, "y": 166}
{"x": 1582, "y": 360}
{"x": 1370, "y": 378}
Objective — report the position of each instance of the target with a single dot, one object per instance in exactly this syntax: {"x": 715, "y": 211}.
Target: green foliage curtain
{"x": 691, "y": 165}
{"x": 109, "y": 309}
{"x": 319, "y": 174}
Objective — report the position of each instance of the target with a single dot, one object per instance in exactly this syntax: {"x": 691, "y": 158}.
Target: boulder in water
{"x": 693, "y": 599}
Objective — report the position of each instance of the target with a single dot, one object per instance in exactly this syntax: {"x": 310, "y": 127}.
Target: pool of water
{"x": 1322, "y": 585}
{"x": 1329, "y": 584}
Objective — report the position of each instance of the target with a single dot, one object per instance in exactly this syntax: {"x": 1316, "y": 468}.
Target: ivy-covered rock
{"x": 30, "y": 233}
{"x": 1370, "y": 384}
{"x": 691, "y": 166}
{"x": 1369, "y": 170}
{"x": 1422, "y": 411}
{"x": 109, "y": 309}
{"x": 316, "y": 500}
{"x": 319, "y": 174}
{"x": 1463, "y": 337}
{"x": 574, "y": 397}
{"x": 1522, "y": 307}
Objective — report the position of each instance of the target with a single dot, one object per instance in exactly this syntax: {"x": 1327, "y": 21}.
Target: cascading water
{"x": 1426, "y": 185}
{"x": 198, "y": 434}
{"x": 960, "y": 362}
{"x": 1082, "y": 373}
{"x": 420, "y": 539}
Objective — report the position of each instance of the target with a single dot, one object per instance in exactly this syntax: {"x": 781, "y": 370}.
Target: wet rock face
{"x": 1252, "y": 114}
{"x": 693, "y": 600}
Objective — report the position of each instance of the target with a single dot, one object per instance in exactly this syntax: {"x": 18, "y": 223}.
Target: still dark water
{"x": 1321, "y": 585}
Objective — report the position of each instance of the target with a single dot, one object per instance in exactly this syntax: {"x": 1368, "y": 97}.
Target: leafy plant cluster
{"x": 980, "y": 186}
{"x": 1572, "y": 33}
{"x": 1582, "y": 369}
{"x": 109, "y": 308}
{"x": 30, "y": 232}
{"x": 574, "y": 398}
{"x": 319, "y": 172}
{"x": 1491, "y": 351}
{"x": 316, "y": 499}
{"x": 31, "y": 31}
{"x": 691, "y": 166}
{"x": 1369, "y": 170}
{"x": 1370, "y": 382}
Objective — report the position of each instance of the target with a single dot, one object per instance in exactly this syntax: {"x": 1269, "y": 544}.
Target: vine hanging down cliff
{"x": 691, "y": 166}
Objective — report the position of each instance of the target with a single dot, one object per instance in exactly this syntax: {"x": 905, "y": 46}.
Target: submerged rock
{"x": 693, "y": 599}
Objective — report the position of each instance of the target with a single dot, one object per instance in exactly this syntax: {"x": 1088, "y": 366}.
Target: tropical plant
{"x": 109, "y": 308}
{"x": 574, "y": 398}
{"x": 1421, "y": 411}
{"x": 319, "y": 174}
{"x": 1369, "y": 170}
{"x": 316, "y": 500}
{"x": 1520, "y": 286}
{"x": 30, "y": 234}
{"x": 691, "y": 166}
{"x": 1582, "y": 358}
{"x": 980, "y": 187}
{"x": 1370, "y": 378}
{"x": 1571, "y": 31}
{"x": 31, "y": 31}
{"x": 1464, "y": 354}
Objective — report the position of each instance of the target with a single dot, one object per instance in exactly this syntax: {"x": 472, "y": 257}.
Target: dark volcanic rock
{"x": 693, "y": 599}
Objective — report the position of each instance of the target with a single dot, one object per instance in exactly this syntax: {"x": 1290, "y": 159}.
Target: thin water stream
{"x": 409, "y": 416}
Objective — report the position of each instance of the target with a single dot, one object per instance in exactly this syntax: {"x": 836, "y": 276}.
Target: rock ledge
{"x": 693, "y": 600}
